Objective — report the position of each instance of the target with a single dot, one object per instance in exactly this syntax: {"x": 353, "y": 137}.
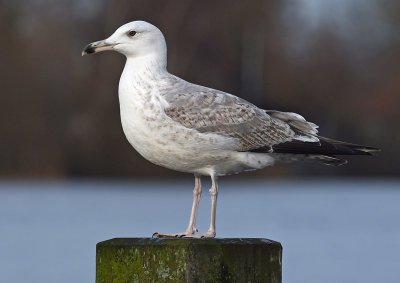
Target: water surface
{"x": 331, "y": 230}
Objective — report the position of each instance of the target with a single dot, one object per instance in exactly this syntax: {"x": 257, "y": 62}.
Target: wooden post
{"x": 188, "y": 260}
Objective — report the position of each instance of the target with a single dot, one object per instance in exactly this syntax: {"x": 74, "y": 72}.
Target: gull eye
{"x": 131, "y": 33}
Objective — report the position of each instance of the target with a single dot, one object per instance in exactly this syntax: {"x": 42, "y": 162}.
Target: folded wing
{"x": 211, "y": 111}
{"x": 286, "y": 135}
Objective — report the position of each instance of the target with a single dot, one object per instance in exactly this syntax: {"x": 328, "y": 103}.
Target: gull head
{"x": 134, "y": 39}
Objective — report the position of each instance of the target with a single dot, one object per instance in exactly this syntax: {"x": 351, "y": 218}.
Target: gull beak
{"x": 98, "y": 46}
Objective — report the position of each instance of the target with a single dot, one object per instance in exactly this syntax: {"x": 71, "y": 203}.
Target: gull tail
{"x": 307, "y": 145}
{"x": 325, "y": 150}
{"x": 324, "y": 146}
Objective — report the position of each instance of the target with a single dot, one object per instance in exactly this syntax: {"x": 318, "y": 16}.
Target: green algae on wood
{"x": 125, "y": 260}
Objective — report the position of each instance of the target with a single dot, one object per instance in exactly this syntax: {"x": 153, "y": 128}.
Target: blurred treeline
{"x": 334, "y": 62}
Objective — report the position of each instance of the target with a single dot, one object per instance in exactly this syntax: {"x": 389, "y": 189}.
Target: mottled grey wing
{"x": 207, "y": 110}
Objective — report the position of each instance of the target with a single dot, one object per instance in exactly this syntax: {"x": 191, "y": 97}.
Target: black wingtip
{"x": 355, "y": 149}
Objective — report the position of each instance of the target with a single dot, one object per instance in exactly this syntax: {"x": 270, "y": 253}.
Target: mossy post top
{"x": 129, "y": 242}
{"x": 188, "y": 260}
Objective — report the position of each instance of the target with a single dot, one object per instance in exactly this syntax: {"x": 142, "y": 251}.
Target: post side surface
{"x": 188, "y": 260}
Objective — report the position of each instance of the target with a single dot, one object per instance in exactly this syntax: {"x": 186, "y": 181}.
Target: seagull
{"x": 199, "y": 130}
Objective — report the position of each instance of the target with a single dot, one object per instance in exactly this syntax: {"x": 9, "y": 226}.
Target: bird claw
{"x": 174, "y": 235}
{"x": 207, "y": 235}
{"x": 185, "y": 235}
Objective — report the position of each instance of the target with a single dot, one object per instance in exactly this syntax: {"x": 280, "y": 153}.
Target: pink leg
{"x": 214, "y": 194}
{"x": 191, "y": 229}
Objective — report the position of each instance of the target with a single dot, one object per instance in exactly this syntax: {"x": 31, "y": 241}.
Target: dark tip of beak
{"x": 89, "y": 49}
